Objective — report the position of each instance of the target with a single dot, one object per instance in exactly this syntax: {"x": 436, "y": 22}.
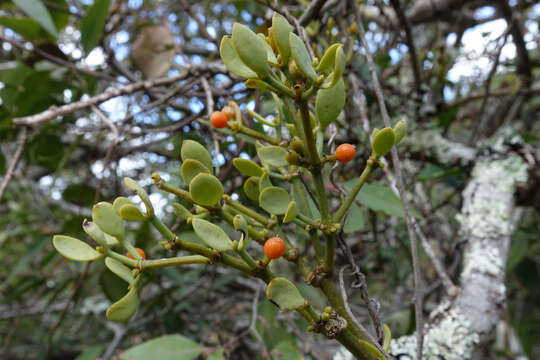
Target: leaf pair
{"x": 204, "y": 188}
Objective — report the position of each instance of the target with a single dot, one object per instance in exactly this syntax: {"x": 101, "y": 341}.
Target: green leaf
{"x": 250, "y": 49}
{"x": 121, "y": 270}
{"x": 381, "y": 198}
{"x": 329, "y": 103}
{"x": 93, "y": 23}
{"x": 191, "y": 168}
{"x": 232, "y": 60}
{"x": 111, "y": 240}
{"x": 94, "y": 232}
{"x": 131, "y": 212}
{"x": 400, "y": 130}
{"x": 518, "y": 249}
{"x": 247, "y": 167}
{"x": 291, "y": 213}
{"x": 275, "y": 156}
{"x": 301, "y": 56}
{"x": 27, "y": 28}
{"x": 280, "y": 33}
{"x": 251, "y": 188}
{"x": 264, "y": 182}
{"x": 376, "y": 354}
{"x": 383, "y": 142}
{"x": 122, "y": 310}
{"x": 108, "y": 220}
{"x": 275, "y": 200}
{"x": 133, "y": 185}
{"x": 194, "y": 150}
{"x": 339, "y": 68}
{"x": 326, "y": 65}
{"x": 119, "y": 202}
{"x": 75, "y": 249}
{"x": 217, "y": 355}
{"x": 270, "y": 56}
{"x": 37, "y": 11}
{"x": 355, "y": 219}
{"x": 212, "y": 235}
{"x": 283, "y": 292}
{"x": 180, "y": 211}
{"x": 205, "y": 189}
{"x": 387, "y": 337}
{"x": 167, "y": 347}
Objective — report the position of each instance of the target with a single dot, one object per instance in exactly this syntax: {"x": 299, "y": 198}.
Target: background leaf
{"x": 93, "y": 24}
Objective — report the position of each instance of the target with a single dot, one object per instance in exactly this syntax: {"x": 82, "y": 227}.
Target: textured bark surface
{"x": 460, "y": 327}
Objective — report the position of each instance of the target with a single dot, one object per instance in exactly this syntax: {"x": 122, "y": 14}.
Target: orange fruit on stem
{"x": 229, "y": 112}
{"x": 140, "y": 251}
{"x": 218, "y": 119}
{"x": 274, "y": 248}
{"x": 345, "y": 153}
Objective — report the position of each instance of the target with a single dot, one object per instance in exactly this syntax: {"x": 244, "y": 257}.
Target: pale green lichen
{"x": 484, "y": 214}
{"x": 450, "y": 339}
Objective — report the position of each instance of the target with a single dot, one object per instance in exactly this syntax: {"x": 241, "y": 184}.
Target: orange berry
{"x": 345, "y": 153}
{"x": 229, "y": 112}
{"x": 274, "y": 248}
{"x": 218, "y": 119}
{"x": 140, "y": 251}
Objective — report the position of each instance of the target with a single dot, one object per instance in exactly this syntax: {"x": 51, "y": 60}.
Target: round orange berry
{"x": 140, "y": 251}
{"x": 345, "y": 153}
{"x": 229, "y": 112}
{"x": 218, "y": 119}
{"x": 274, "y": 248}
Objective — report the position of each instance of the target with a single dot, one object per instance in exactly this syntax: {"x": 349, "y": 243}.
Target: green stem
{"x": 131, "y": 249}
{"x": 351, "y": 343}
{"x": 199, "y": 249}
{"x": 123, "y": 259}
{"x": 258, "y": 135}
{"x": 352, "y": 194}
{"x": 246, "y": 211}
{"x": 175, "y": 261}
{"x": 247, "y": 258}
{"x": 330, "y": 253}
{"x": 308, "y": 133}
{"x": 227, "y": 216}
{"x": 183, "y": 194}
{"x": 278, "y": 85}
{"x": 304, "y": 208}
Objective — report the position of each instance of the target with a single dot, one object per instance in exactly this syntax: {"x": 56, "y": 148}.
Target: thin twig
{"x": 209, "y": 112}
{"x": 23, "y": 137}
{"x": 401, "y": 186}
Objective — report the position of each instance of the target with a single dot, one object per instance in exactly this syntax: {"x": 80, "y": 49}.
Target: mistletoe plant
{"x": 292, "y": 146}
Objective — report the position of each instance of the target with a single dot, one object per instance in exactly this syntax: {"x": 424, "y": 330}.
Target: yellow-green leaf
{"x": 232, "y": 60}
{"x": 275, "y": 200}
{"x": 374, "y": 352}
{"x": 122, "y": 310}
{"x": 301, "y": 56}
{"x": 75, "y": 249}
{"x": 193, "y": 150}
{"x": 94, "y": 232}
{"x": 264, "y": 182}
{"x": 250, "y": 49}
{"x": 326, "y": 65}
{"x": 205, "y": 189}
{"x": 285, "y": 294}
{"x": 339, "y": 68}
{"x": 329, "y": 103}
{"x": 180, "y": 211}
{"x": 270, "y": 56}
{"x": 108, "y": 220}
{"x": 383, "y": 142}
{"x": 275, "y": 156}
{"x": 133, "y": 185}
{"x": 121, "y": 270}
{"x": 387, "y": 337}
{"x": 131, "y": 212}
{"x": 119, "y": 202}
{"x": 212, "y": 235}
{"x": 251, "y": 188}
{"x": 291, "y": 213}
{"x": 400, "y": 130}
{"x": 247, "y": 167}
{"x": 281, "y": 30}
{"x": 191, "y": 168}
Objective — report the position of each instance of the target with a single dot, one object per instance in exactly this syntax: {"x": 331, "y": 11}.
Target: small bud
{"x": 298, "y": 145}
{"x": 292, "y": 157}
{"x": 328, "y": 309}
{"x": 325, "y": 316}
